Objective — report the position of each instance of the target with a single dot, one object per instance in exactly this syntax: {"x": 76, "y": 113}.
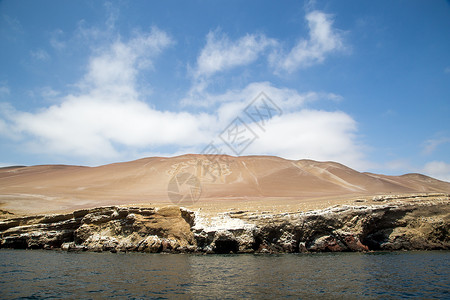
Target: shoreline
{"x": 387, "y": 223}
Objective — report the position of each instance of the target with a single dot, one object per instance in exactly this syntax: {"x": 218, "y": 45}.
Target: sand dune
{"x": 55, "y": 188}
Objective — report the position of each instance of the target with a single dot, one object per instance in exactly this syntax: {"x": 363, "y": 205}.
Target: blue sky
{"x": 364, "y": 83}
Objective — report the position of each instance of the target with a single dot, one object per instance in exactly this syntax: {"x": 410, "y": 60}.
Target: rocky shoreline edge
{"x": 413, "y": 222}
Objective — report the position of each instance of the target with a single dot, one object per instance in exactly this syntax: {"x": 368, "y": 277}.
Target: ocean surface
{"x": 37, "y": 274}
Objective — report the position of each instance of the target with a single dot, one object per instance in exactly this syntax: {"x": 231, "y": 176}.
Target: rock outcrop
{"x": 103, "y": 229}
{"x": 396, "y": 223}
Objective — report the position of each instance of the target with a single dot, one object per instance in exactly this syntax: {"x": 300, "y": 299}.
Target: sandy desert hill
{"x": 225, "y": 179}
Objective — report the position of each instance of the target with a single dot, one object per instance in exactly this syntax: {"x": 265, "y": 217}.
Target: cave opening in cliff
{"x": 226, "y": 246}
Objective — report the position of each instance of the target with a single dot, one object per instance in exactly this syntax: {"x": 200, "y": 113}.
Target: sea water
{"x": 38, "y": 274}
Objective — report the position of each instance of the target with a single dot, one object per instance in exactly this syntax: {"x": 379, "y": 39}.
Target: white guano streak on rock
{"x": 220, "y": 222}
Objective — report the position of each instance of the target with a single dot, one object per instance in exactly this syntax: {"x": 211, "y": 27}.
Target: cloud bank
{"x": 438, "y": 169}
{"x": 109, "y": 118}
{"x": 323, "y": 40}
{"x": 220, "y": 54}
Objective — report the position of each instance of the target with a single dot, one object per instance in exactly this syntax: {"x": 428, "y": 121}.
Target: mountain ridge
{"x": 52, "y": 188}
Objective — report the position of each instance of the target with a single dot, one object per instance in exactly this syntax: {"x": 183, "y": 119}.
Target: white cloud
{"x": 313, "y": 134}
{"x": 49, "y": 93}
{"x": 438, "y": 169}
{"x": 107, "y": 114}
{"x": 7, "y": 129}
{"x": 298, "y": 132}
{"x": 56, "y": 41}
{"x": 285, "y": 97}
{"x": 3, "y": 165}
{"x": 234, "y": 101}
{"x": 87, "y": 126}
{"x": 112, "y": 12}
{"x": 402, "y": 165}
{"x": 40, "y": 54}
{"x": 108, "y": 120}
{"x": 4, "y": 89}
{"x": 220, "y": 53}
{"x": 13, "y": 25}
{"x": 431, "y": 144}
{"x": 113, "y": 70}
{"x": 91, "y": 126}
{"x": 389, "y": 113}
{"x": 323, "y": 40}
{"x": 3, "y": 127}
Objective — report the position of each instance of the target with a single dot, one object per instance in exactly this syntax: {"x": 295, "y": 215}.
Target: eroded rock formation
{"x": 103, "y": 229}
{"x": 396, "y": 223}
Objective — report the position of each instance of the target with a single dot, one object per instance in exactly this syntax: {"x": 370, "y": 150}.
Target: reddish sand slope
{"x": 53, "y": 188}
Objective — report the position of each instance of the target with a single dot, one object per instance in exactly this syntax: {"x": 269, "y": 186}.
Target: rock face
{"x": 103, "y": 229}
{"x": 419, "y": 224}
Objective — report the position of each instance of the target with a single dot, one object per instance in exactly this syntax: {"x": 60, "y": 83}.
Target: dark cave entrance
{"x": 226, "y": 246}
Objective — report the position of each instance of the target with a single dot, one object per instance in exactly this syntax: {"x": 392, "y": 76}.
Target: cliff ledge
{"x": 403, "y": 222}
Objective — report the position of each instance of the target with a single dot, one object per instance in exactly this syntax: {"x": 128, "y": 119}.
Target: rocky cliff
{"x": 387, "y": 223}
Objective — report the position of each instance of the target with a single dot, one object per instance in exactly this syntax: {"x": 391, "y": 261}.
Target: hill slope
{"x": 52, "y": 188}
